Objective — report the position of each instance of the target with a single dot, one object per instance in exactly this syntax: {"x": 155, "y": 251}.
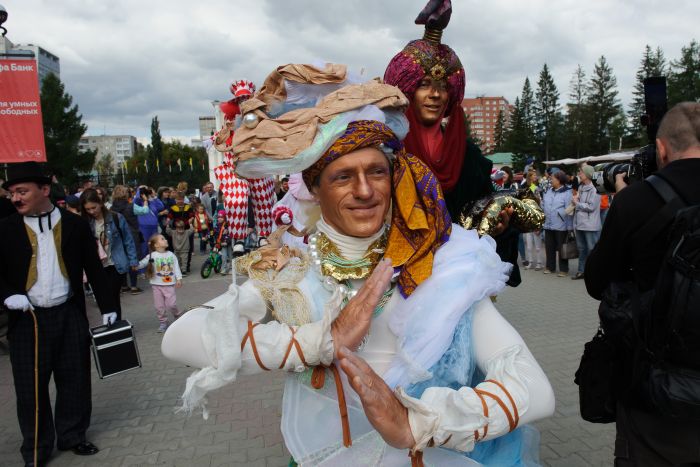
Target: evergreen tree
{"x": 63, "y": 129}
{"x": 520, "y": 139}
{"x": 156, "y": 150}
{"x": 527, "y": 106}
{"x": 603, "y": 104}
{"x": 500, "y": 132}
{"x": 684, "y": 78}
{"x": 546, "y": 112}
{"x": 576, "y": 124}
{"x": 653, "y": 64}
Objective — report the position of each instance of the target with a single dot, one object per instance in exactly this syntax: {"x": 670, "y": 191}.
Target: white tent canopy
{"x": 618, "y": 156}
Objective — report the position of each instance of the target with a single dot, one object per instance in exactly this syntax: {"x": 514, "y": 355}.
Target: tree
{"x": 522, "y": 130}
{"x": 105, "y": 170}
{"x": 684, "y": 78}
{"x": 527, "y": 106}
{"x": 653, "y": 63}
{"x": 602, "y": 103}
{"x": 500, "y": 132}
{"x": 546, "y": 112}
{"x": 577, "y": 121}
{"x": 63, "y": 129}
{"x": 169, "y": 172}
{"x": 156, "y": 148}
{"x": 520, "y": 137}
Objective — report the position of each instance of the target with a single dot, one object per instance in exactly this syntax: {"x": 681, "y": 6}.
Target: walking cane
{"x": 36, "y": 387}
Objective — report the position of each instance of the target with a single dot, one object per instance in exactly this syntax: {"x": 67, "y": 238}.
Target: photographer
{"x": 645, "y": 438}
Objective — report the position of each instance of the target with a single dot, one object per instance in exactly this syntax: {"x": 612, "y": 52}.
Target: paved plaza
{"x": 134, "y": 423}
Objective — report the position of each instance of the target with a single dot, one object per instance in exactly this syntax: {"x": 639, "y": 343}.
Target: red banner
{"x": 21, "y": 130}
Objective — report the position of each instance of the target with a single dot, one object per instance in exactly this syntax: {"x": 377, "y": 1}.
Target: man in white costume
{"x": 387, "y": 319}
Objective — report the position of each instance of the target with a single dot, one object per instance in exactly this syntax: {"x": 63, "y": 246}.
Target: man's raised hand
{"x": 352, "y": 324}
{"x": 383, "y": 410}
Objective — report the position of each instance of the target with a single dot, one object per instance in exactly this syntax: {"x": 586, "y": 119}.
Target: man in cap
{"x": 44, "y": 253}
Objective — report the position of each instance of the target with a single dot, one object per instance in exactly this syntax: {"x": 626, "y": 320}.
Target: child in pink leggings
{"x": 163, "y": 271}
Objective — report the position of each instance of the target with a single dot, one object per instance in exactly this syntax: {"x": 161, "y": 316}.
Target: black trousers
{"x": 64, "y": 352}
{"x": 645, "y": 439}
{"x": 115, "y": 281}
{"x": 553, "y": 240}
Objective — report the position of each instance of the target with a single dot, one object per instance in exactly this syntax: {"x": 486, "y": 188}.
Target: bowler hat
{"x": 26, "y": 172}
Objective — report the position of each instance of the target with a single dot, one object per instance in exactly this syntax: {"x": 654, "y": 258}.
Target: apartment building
{"x": 483, "y": 113}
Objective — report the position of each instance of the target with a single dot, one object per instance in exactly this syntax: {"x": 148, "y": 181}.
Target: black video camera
{"x": 643, "y": 163}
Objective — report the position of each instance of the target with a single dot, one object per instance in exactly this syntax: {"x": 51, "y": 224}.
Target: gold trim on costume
{"x": 332, "y": 261}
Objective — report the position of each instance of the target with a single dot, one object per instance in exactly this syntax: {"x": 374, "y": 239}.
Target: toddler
{"x": 201, "y": 222}
{"x": 180, "y": 236}
{"x": 220, "y": 239}
{"x": 163, "y": 271}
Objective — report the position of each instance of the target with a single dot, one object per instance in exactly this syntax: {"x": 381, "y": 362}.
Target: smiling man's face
{"x": 354, "y": 192}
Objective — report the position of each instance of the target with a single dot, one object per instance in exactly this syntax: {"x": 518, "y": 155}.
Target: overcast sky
{"x": 128, "y": 60}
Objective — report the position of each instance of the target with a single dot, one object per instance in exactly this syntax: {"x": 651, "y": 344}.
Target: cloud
{"x": 127, "y": 60}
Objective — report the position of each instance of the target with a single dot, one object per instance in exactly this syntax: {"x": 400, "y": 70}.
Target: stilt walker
{"x": 237, "y": 191}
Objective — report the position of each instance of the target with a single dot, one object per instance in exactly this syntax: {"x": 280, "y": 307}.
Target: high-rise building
{"x": 45, "y": 60}
{"x": 120, "y": 147}
{"x": 483, "y": 114}
{"x": 207, "y": 127}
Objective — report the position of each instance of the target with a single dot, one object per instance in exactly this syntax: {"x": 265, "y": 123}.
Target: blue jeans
{"x": 585, "y": 241}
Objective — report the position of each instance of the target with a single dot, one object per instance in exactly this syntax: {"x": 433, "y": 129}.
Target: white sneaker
{"x": 238, "y": 248}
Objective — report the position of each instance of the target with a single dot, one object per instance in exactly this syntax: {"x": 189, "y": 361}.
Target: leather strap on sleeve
{"x": 485, "y": 407}
{"x": 293, "y": 343}
{"x": 511, "y": 421}
{"x": 250, "y": 335}
{"x": 510, "y": 398}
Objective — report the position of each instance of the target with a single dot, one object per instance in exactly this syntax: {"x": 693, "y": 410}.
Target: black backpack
{"x": 667, "y": 362}
{"x": 646, "y": 352}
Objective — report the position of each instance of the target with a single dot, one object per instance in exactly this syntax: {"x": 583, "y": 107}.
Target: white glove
{"x": 18, "y": 302}
{"x": 286, "y": 220}
{"x": 109, "y": 318}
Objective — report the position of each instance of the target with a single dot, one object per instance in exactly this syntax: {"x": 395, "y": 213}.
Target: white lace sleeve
{"x": 515, "y": 391}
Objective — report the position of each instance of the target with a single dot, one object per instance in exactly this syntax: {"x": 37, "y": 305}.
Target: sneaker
{"x": 162, "y": 328}
{"x": 547, "y": 271}
{"x": 135, "y": 290}
{"x": 527, "y": 266}
{"x": 125, "y": 288}
{"x": 526, "y": 263}
{"x": 538, "y": 267}
{"x": 563, "y": 274}
{"x": 262, "y": 241}
{"x": 579, "y": 275}
{"x": 185, "y": 274}
{"x": 238, "y": 248}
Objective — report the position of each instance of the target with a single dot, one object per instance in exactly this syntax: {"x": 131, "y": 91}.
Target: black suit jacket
{"x": 79, "y": 253}
{"x": 6, "y": 208}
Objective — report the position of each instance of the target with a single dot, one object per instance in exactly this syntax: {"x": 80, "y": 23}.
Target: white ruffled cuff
{"x": 458, "y": 419}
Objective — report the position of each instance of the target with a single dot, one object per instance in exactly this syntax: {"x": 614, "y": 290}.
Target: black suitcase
{"x": 114, "y": 348}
